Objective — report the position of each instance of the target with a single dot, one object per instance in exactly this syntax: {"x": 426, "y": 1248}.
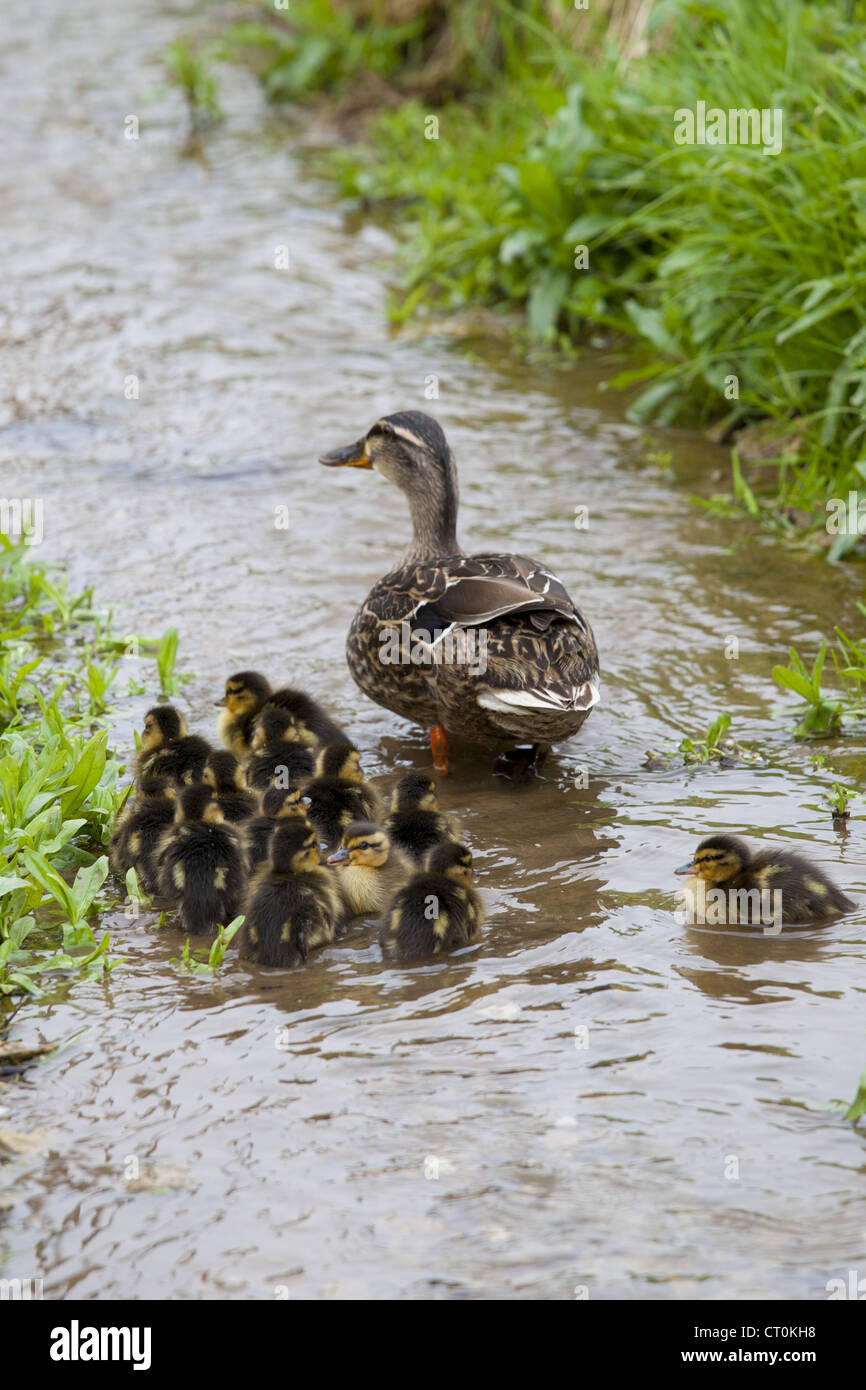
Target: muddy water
{"x": 437, "y": 1131}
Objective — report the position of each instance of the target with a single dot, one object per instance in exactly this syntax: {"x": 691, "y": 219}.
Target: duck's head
{"x": 294, "y": 848}
{"x": 364, "y": 845}
{"x": 245, "y": 692}
{"x": 283, "y": 803}
{"x": 196, "y": 804}
{"x": 415, "y": 792}
{"x": 410, "y": 449}
{"x": 275, "y": 726}
{"x": 340, "y": 760}
{"x": 454, "y": 861}
{"x": 162, "y": 724}
{"x": 222, "y": 772}
{"x": 717, "y": 859}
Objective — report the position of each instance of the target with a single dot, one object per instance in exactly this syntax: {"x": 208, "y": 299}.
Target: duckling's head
{"x": 157, "y": 787}
{"x": 162, "y": 724}
{"x": 275, "y": 726}
{"x": 196, "y": 804}
{"x": 717, "y": 859}
{"x": 340, "y": 760}
{"x": 364, "y": 845}
{"x": 245, "y": 692}
{"x": 282, "y": 803}
{"x": 415, "y": 792}
{"x": 410, "y": 449}
{"x": 454, "y": 861}
{"x": 222, "y": 772}
{"x": 294, "y": 848}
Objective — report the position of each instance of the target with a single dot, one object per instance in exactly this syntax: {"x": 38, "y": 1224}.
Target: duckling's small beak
{"x": 691, "y": 868}
{"x": 340, "y": 857}
{"x": 353, "y": 456}
{"x": 223, "y": 701}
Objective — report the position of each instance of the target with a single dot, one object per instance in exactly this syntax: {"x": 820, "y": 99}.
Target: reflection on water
{"x": 559, "y": 1104}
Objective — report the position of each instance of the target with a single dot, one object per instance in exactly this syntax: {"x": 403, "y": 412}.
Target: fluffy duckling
{"x": 338, "y": 793}
{"x": 371, "y": 868}
{"x": 248, "y": 692}
{"x": 278, "y": 803}
{"x": 168, "y": 749}
{"x": 294, "y": 904}
{"x": 138, "y": 832}
{"x": 416, "y": 824}
{"x": 437, "y": 910}
{"x": 224, "y": 775}
{"x": 726, "y": 862}
{"x": 201, "y": 863}
{"x": 280, "y": 758}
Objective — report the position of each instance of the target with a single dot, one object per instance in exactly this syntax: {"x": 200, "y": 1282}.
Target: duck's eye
{"x": 365, "y": 844}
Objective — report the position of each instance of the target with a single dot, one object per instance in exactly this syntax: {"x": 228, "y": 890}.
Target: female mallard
{"x": 486, "y": 647}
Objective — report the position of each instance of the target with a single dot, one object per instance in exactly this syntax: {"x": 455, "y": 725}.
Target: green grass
{"x": 825, "y": 714}
{"x": 716, "y": 261}
{"x": 59, "y": 791}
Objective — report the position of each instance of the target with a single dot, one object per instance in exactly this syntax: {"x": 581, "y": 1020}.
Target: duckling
{"x": 338, "y": 793}
{"x": 437, "y": 910}
{"x": 294, "y": 904}
{"x": 137, "y": 833}
{"x": 416, "y": 824}
{"x": 279, "y": 756}
{"x": 168, "y": 750}
{"x": 201, "y": 864}
{"x": 727, "y": 863}
{"x": 277, "y": 803}
{"x": 224, "y": 775}
{"x": 371, "y": 868}
{"x": 248, "y": 692}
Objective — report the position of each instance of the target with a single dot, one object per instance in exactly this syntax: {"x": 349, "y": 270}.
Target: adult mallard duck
{"x": 486, "y": 647}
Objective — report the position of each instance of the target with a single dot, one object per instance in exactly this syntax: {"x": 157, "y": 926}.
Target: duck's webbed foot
{"x": 522, "y": 762}
{"x": 439, "y": 749}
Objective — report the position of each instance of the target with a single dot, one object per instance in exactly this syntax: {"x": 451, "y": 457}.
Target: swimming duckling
{"x": 137, "y": 833}
{"x": 294, "y": 904}
{"x": 168, "y": 750}
{"x": 371, "y": 868}
{"x": 278, "y": 803}
{"x": 248, "y": 692}
{"x": 338, "y": 793}
{"x": 726, "y": 862}
{"x": 201, "y": 864}
{"x": 437, "y": 910}
{"x": 416, "y": 824}
{"x": 279, "y": 758}
{"x": 224, "y": 775}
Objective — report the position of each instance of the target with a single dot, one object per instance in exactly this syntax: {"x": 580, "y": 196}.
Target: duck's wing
{"x": 540, "y": 654}
{"x": 471, "y": 590}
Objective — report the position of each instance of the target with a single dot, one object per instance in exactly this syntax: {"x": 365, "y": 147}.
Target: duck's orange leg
{"x": 439, "y": 749}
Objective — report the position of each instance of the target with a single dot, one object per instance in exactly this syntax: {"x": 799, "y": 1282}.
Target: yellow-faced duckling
{"x": 277, "y": 804}
{"x": 248, "y": 692}
{"x": 416, "y": 824}
{"x": 338, "y": 793}
{"x": 294, "y": 904}
{"x": 168, "y": 750}
{"x": 371, "y": 868}
{"x": 725, "y": 862}
{"x": 224, "y": 775}
{"x": 138, "y": 832}
{"x": 279, "y": 756}
{"x": 201, "y": 863}
{"x": 437, "y": 910}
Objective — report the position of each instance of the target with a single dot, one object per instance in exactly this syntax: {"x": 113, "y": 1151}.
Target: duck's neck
{"x": 433, "y": 507}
